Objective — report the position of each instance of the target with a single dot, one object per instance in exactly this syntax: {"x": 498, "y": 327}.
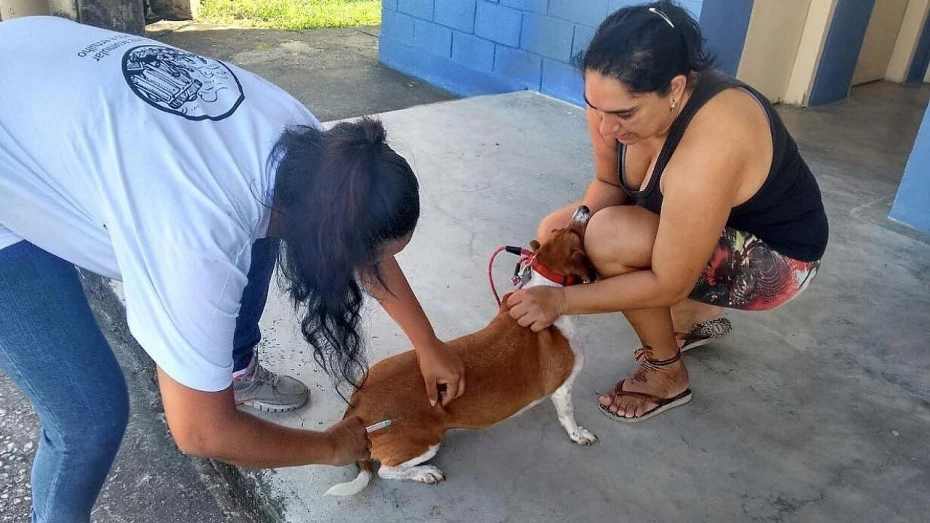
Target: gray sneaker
{"x": 264, "y": 390}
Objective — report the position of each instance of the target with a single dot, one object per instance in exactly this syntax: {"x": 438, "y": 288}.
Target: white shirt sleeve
{"x": 7, "y": 238}
{"x": 182, "y": 306}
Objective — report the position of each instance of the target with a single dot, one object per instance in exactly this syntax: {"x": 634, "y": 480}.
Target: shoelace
{"x": 262, "y": 374}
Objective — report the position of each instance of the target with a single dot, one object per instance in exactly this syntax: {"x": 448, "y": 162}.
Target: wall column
{"x": 912, "y": 204}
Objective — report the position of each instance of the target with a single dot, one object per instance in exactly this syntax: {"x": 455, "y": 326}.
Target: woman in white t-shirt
{"x": 180, "y": 175}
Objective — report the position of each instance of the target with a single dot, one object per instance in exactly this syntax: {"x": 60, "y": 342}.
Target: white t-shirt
{"x": 143, "y": 163}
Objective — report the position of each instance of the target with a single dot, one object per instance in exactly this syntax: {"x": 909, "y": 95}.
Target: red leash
{"x": 524, "y": 254}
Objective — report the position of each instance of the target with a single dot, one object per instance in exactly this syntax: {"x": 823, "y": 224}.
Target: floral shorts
{"x": 745, "y": 273}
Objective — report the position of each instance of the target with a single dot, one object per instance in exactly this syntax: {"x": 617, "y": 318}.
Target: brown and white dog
{"x": 509, "y": 369}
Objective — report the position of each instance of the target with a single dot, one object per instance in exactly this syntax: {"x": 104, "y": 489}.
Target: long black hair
{"x": 340, "y": 195}
{"x": 646, "y": 46}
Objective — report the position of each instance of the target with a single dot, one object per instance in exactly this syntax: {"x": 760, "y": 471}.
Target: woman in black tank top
{"x": 701, "y": 201}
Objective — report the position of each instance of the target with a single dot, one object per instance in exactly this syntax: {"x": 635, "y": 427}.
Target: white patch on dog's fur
{"x": 423, "y": 473}
{"x": 562, "y": 397}
{"x": 409, "y": 471}
{"x": 526, "y": 408}
{"x": 351, "y": 488}
{"x": 536, "y": 280}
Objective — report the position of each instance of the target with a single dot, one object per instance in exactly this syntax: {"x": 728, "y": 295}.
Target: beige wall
{"x": 816, "y": 28}
{"x": 907, "y": 40}
{"x": 775, "y": 29}
{"x": 67, "y": 8}
{"x": 880, "y": 39}
{"x": 16, "y": 8}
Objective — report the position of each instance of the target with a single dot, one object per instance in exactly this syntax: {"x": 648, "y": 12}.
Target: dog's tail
{"x": 351, "y": 488}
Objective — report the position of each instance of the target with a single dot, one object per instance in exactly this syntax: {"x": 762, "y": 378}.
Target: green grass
{"x": 294, "y": 15}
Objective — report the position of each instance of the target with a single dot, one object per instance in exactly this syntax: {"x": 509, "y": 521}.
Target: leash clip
{"x": 521, "y": 273}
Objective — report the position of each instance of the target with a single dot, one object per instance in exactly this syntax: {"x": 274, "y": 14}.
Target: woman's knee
{"x": 94, "y": 422}
{"x": 620, "y": 239}
{"x": 111, "y": 417}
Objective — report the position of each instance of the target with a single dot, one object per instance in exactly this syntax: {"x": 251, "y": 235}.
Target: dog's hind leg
{"x": 562, "y": 399}
{"x": 412, "y": 470}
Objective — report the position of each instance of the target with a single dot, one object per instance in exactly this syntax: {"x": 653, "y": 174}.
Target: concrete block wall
{"x": 473, "y": 47}
{"x": 912, "y": 204}
{"x": 841, "y": 51}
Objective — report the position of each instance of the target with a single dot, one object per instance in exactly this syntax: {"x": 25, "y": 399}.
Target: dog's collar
{"x": 564, "y": 280}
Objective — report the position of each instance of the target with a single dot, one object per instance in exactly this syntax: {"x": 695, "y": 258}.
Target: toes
{"x": 430, "y": 475}
{"x": 617, "y": 406}
{"x": 586, "y": 437}
{"x": 629, "y": 408}
{"x": 583, "y": 437}
{"x": 625, "y": 409}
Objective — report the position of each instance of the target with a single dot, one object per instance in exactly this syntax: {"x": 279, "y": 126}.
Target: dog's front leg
{"x": 562, "y": 399}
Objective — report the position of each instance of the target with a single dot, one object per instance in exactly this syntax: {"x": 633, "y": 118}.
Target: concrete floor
{"x": 816, "y": 412}
{"x": 335, "y": 72}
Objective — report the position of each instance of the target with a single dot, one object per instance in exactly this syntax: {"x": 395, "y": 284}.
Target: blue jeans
{"x": 52, "y": 348}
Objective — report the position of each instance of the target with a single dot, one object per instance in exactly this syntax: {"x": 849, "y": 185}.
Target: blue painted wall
{"x": 921, "y": 55}
{"x": 473, "y": 47}
{"x": 725, "y": 24}
{"x": 912, "y": 205}
{"x": 841, "y": 51}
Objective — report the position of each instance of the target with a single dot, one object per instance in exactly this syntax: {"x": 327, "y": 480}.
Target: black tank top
{"x": 786, "y": 213}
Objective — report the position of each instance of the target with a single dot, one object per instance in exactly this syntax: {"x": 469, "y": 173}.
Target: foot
{"x": 704, "y": 333}
{"x": 423, "y": 473}
{"x": 261, "y": 389}
{"x": 562, "y": 399}
{"x": 583, "y": 437}
{"x": 666, "y": 381}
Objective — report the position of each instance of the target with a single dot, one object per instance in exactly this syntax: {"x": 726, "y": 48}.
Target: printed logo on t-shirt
{"x": 182, "y": 83}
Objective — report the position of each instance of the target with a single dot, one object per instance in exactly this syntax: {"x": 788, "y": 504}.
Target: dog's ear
{"x": 534, "y": 245}
{"x": 581, "y": 266}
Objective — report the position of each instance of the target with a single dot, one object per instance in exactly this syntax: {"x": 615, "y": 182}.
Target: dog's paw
{"x": 583, "y": 437}
{"x": 426, "y": 474}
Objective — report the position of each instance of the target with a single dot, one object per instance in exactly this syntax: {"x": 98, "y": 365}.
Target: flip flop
{"x": 662, "y": 404}
{"x": 704, "y": 333}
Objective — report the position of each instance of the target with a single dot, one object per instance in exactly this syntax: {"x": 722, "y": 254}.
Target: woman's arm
{"x": 207, "y": 424}
{"x": 438, "y": 364}
{"x": 699, "y": 186}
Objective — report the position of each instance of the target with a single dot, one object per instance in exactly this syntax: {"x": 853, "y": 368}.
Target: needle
{"x": 378, "y": 426}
